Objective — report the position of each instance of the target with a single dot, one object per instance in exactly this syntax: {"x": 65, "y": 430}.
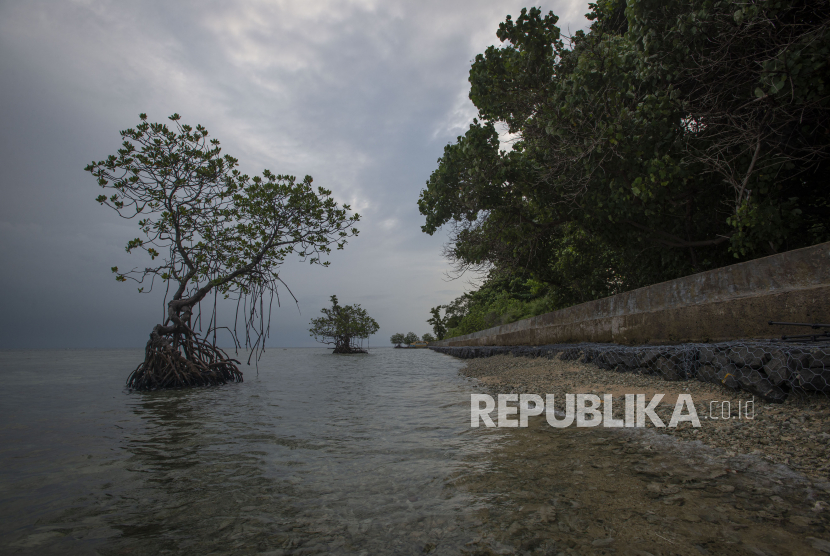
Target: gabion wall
{"x": 770, "y": 369}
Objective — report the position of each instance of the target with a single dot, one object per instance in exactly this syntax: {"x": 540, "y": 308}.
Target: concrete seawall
{"x": 728, "y": 303}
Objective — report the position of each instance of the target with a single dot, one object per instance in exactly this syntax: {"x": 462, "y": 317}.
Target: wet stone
{"x": 819, "y": 544}
{"x": 601, "y": 543}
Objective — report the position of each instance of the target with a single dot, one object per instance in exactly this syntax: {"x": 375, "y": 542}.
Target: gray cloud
{"x": 362, "y": 95}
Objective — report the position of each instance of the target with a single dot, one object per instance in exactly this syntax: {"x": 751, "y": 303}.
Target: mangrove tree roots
{"x": 348, "y": 350}
{"x": 167, "y": 367}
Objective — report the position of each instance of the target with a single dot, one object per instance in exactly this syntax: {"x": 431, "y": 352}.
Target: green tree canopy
{"x": 343, "y": 326}
{"x": 410, "y": 338}
{"x": 673, "y": 137}
{"x": 428, "y": 337}
{"x": 397, "y": 339}
{"x": 439, "y": 324}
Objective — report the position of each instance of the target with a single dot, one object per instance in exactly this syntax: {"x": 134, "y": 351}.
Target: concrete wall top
{"x": 785, "y": 286}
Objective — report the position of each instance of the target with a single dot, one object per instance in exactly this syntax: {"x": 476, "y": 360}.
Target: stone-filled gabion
{"x": 768, "y": 369}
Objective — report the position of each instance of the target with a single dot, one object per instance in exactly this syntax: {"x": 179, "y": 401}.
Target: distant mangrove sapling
{"x": 343, "y": 326}
{"x": 210, "y": 229}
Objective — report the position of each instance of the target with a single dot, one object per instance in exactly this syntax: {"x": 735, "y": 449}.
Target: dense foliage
{"x": 410, "y": 338}
{"x": 208, "y": 228}
{"x": 500, "y": 300}
{"x": 344, "y": 326}
{"x": 673, "y": 137}
{"x": 438, "y": 323}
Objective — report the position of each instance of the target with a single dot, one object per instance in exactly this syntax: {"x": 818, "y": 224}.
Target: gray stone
{"x": 647, "y": 357}
{"x": 707, "y": 373}
{"x": 728, "y": 376}
{"x": 602, "y": 360}
{"x": 798, "y": 357}
{"x": 816, "y": 379}
{"x": 753, "y": 381}
{"x": 620, "y": 358}
{"x": 748, "y": 356}
{"x": 721, "y": 361}
{"x": 818, "y": 358}
{"x": 667, "y": 369}
{"x": 706, "y": 354}
{"x": 820, "y": 544}
{"x": 757, "y": 357}
{"x": 736, "y": 354}
{"x": 777, "y": 368}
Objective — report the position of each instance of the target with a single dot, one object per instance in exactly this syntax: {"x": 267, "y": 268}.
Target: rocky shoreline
{"x": 795, "y": 433}
{"x": 769, "y": 369}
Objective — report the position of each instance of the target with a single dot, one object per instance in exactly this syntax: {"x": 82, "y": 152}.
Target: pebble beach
{"x": 795, "y": 433}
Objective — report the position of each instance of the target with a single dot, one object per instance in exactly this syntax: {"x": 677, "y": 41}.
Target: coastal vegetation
{"x": 501, "y": 299}
{"x": 210, "y": 229}
{"x": 409, "y": 339}
{"x": 671, "y": 138}
{"x": 345, "y": 326}
{"x": 439, "y": 324}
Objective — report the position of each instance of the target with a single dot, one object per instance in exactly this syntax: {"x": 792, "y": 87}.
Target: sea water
{"x": 316, "y": 453}
{"x": 312, "y": 451}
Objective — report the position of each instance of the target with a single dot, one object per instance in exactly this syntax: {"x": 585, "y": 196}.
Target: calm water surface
{"x": 367, "y": 454}
{"x": 314, "y": 453}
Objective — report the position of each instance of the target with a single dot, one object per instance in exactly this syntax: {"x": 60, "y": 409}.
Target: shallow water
{"x": 606, "y": 491}
{"x": 323, "y": 454}
{"x": 317, "y": 452}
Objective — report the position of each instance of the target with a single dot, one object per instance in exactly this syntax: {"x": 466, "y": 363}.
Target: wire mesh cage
{"x": 770, "y": 369}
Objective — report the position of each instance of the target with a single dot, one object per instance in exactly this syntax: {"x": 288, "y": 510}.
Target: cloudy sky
{"x": 361, "y": 94}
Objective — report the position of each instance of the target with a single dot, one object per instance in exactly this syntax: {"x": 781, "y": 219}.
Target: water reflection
{"x": 320, "y": 454}
{"x": 241, "y": 474}
{"x": 317, "y": 455}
